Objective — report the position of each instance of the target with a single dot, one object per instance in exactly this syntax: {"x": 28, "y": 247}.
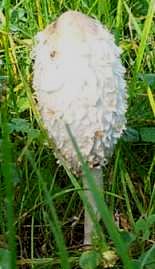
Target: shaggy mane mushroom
{"x": 79, "y": 80}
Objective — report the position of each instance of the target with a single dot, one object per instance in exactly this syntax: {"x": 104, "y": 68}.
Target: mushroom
{"x": 79, "y": 80}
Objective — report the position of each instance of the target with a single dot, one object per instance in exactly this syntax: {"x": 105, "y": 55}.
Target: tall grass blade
{"x": 114, "y": 180}
{"x": 129, "y": 210}
{"x": 151, "y": 206}
{"x": 102, "y": 208}
{"x": 32, "y": 239}
{"x": 151, "y": 100}
{"x": 8, "y": 178}
{"x": 39, "y": 14}
{"x": 119, "y": 14}
{"x": 104, "y": 10}
{"x": 52, "y": 217}
{"x": 119, "y": 20}
{"x": 5, "y": 39}
{"x": 83, "y": 197}
{"x": 144, "y": 36}
{"x": 133, "y": 20}
{"x": 92, "y": 7}
{"x": 149, "y": 259}
{"x": 133, "y": 192}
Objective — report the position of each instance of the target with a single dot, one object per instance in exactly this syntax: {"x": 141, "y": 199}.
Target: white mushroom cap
{"x": 79, "y": 80}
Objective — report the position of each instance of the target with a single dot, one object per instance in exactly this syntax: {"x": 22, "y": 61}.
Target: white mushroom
{"x": 79, "y": 80}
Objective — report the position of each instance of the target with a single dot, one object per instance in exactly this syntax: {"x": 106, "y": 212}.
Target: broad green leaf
{"x": 148, "y": 259}
{"x": 127, "y": 237}
{"x": 140, "y": 225}
{"x": 19, "y": 125}
{"x": 23, "y": 104}
{"x": 143, "y": 226}
{"x": 89, "y": 259}
{"x": 149, "y": 78}
{"x": 4, "y": 259}
{"x": 147, "y": 134}
{"x": 151, "y": 219}
{"x": 34, "y": 134}
{"x": 130, "y": 135}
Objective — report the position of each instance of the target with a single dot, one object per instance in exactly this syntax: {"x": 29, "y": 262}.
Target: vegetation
{"x": 41, "y": 202}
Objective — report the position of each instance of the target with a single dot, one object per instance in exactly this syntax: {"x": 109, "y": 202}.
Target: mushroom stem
{"x": 88, "y": 222}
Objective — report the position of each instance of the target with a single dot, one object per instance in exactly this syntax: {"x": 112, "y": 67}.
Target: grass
{"x": 41, "y": 202}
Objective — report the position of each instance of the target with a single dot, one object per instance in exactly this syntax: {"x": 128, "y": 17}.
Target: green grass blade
{"x": 5, "y": 39}
{"x": 8, "y": 178}
{"x": 92, "y": 7}
{"x": 119, "y": 20}
{"x": 129, "y": 210}
{"x": 133, "y": 192}
{"x": 32, "y": 239}
{"x": 50, "y": 262}
{"x": 52, "y": 217}
{"x": 102, "y": 208}
{"x": 86, "y": 205}
{"x": 104, "y": 10}
{"x": 151, "y": 100}
{"x": 144, "y": 36}
{"x": 151, "y": 206}
{"x": 133, "y": 20}
{"x": 149, "y": 258}
{"x": 113, "y": 198}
